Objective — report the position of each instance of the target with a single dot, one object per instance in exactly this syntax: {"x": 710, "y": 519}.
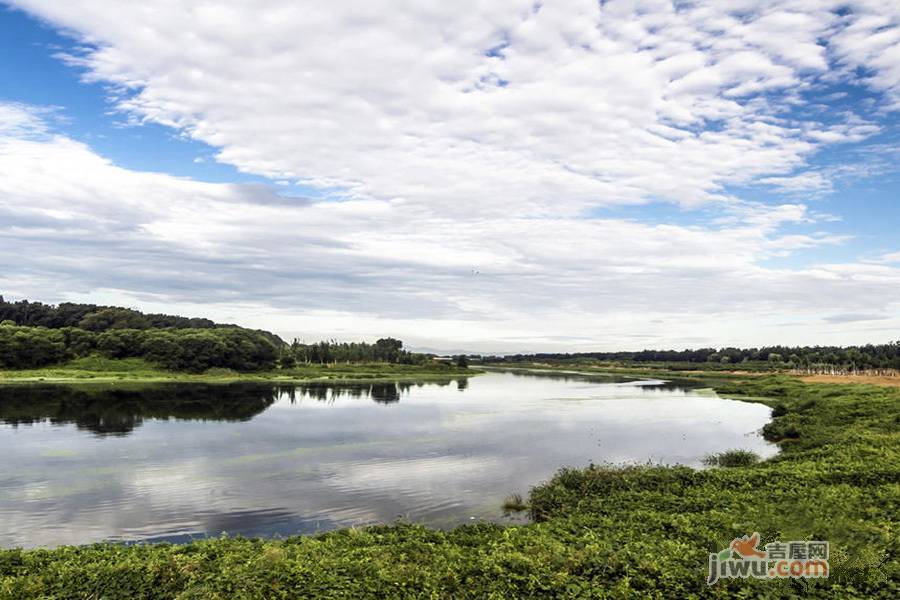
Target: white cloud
{"x": 488, "y": 106}
{"x": 810, "y": 182}
{"x": 19, "y": 120}
{"x": 871, "y": 41}
{"x": 468, "y": 141}
{"x": 82, "y": 228}
{"x": 892, "y": 257}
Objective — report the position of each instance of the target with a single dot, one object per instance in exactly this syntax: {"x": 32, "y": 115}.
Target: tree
{"x": 30, "y": 347}
{"x": 462, "y": 362}
{"x": 114, "y": 318}
{"x": 388, "y": 349}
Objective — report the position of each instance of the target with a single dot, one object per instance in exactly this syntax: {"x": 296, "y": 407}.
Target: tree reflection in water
{"x": 118, "y": 410}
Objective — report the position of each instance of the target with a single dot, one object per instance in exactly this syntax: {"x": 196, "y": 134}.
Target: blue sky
{"x": 32, "y": 74}
{"x": 485, "y": 178}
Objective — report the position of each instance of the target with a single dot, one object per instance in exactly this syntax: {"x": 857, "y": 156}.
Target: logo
{"x": 779, "y": 560}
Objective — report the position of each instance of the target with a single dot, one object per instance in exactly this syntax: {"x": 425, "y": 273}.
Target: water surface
{"x": 173, "y": 462}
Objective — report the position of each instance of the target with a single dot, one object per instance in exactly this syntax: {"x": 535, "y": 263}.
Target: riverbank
{"x": 635, "y": 532}
{"x": 135, "y": 370}
{"x": 633, "y": 371}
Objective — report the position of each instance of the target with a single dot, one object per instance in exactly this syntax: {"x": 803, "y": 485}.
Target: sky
{"x": 496, "y": 176}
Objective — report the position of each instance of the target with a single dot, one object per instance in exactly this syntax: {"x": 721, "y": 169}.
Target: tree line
{"x": 869, "y": 356}
{"x": 193, "y": 350}
{"x": 93, "y": 317}
{"x": 388, "y": 350}
{"x": 33, "y": 335}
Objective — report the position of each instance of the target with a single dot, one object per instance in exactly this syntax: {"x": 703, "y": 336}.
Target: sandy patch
{"x": 869, "y": 379}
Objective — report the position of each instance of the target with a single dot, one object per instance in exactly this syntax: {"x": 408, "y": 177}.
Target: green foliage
{"x": 388, "y": 350}
{"x": 870, "y": 356}
{"x": 34, "y": 335}
{"x": 114, "y": 318}
{"x": 92, "y": 317}
{"x": 96, "y": 368}
{"x": 515, "y": 503}
{"x": 23, "y": 347}
{"x": 190, "y": 350}
{"x": 196, "y": 351}
{"x": 731, "y": 458}
{"x": 598, "y": 532}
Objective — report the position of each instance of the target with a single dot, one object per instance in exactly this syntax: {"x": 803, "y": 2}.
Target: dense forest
{"x": 870, "y": 356}
{"x": 193, "y": 350}
{"x": 33, "y": 334}
{"x": 93, "y": 317}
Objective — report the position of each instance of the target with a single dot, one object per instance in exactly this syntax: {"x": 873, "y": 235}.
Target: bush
{"x": 27, "y": 347}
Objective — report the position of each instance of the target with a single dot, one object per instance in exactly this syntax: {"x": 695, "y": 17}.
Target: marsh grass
{"x": 514, "y": 503}
{"x": 731, "y": 458}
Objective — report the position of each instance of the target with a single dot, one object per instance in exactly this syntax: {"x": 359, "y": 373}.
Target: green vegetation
{"x": 598, "y": 532}
{"x": 93, "y": 317}
{"x": 811, "y": 358}
{"x": 78, "y": 336}
{"x": 731, "y": 458}
{"x": 190, "y": 350}
{"x": 97, "y": 369}
{"x": 387, "y": 350}
{"x": 515, "y": 503}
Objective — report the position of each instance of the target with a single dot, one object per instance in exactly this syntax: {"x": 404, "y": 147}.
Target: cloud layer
{"x": 488, "y": 105}
{"x": 468, "y": 152}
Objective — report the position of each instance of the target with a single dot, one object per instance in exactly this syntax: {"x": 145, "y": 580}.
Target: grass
{"x": 102, "y": 370}
{"x": 597, "y": 532}
{"x": 685, "y": 371}
{"x": 731, "y": 458}
{"x": 515, "y": 503}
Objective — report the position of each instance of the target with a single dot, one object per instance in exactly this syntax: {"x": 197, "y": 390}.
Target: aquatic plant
{"x": 515, "y": 503}
{"x": 731, "y": 458}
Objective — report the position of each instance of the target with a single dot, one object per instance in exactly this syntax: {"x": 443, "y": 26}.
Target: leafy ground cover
{"x": 597, "y": 532}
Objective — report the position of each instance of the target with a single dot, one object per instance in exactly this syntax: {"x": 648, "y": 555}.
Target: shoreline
{"x": 325, "y": 374}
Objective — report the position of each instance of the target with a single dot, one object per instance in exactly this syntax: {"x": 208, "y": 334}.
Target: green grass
{"x": 598, "y": 532}
{"x": 731, "y": 458}
{"x": 515, "y": 503}
{"x": 679, "y": 371}
{"x": 98, "y": 369}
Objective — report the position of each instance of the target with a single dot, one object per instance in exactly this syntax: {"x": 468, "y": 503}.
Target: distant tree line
{"x": 384, "y": 350}
{"x": 870, "y": 356}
